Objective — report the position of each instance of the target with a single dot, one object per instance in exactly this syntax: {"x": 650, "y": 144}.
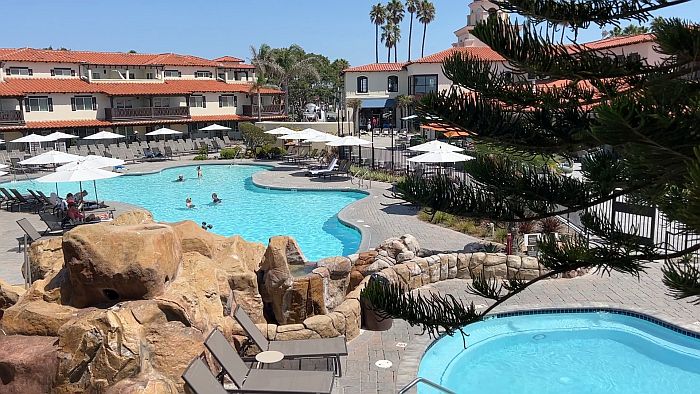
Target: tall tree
{"x": 289, "y": 64}
{"x": 628, "y": 30}
{"x": 639, "y": 120}
{"x": 257, "y": 87}
{"x": 426, "y": 15}
{"x": 411, "y": 7}
{"x": 404, "y": 102}
{"x": 395, "y": 13}
{"x": 377, "y": 16}
{"x": 389, "y": 38}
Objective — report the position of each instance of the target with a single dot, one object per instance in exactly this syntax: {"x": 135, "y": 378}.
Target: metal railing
{"x": 11, "y": 116}
{"x": 430, "y": 383}
{"x": 271, "y": 109}
{"x": 147, "y": 113}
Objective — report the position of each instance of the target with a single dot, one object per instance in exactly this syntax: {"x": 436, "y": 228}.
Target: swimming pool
{"x": 253, "y": 212}
{"x": 592, "y": 352}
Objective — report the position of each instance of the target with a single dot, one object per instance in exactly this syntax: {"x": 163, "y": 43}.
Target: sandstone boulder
{"x": 45, "y": 256}
{"x": 144, "y": 383}
{"x": 36, "y": 317}
{"x": 108, "y": 264}
{"x": 238, "y": 255}
{"x": 172, "y": 346}
{"x": 28, "y": 364}
{"x": 130, "y": 218}
{"x": 193, "y": 238}
{"x": 9, "y": 295}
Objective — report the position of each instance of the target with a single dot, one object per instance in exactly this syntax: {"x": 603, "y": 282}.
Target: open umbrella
{"x": 2, "y": 173}
{"x": 3, "y": 166}
{"x": 93, "y": 161}
{"x": 32, "y": 138}
{"x": 322, "y": 137}
{"x": 56, "y": 136}
{"x": 349, "y": 141}
{"x": 280, "y": 131}
{"x": 80, "y": 173}
{"x": 435, "y": 146}
{"x": 440, "y": 157}
{"x": 163, "y": 131}
{"x": 104, "y": 135}
{"x": 51, "y": 157}
{"x": 214, "y": 127}
{"x": 456, "y": 134}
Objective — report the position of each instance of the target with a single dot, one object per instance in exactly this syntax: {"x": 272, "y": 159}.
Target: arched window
{"x": 392, "y": 84}
{"x": 362, "y": 85}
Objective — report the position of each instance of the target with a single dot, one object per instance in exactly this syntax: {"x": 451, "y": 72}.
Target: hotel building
{"x": 378, "y": 85}
{"x": 79, "y": 92}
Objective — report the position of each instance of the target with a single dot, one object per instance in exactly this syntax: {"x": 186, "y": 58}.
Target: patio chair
{"x": 343, "y": 169}
{"x": 264, "y": 380}
{"x": 8, "y": 199}
{"x": 330, "y": 167}
{"x": 42, "y": 203}
{"x": 32, "y": 234}
{"x": 328, "y": 348}
{"x": 23, "y": 200}
{"x": 200, "y": 380}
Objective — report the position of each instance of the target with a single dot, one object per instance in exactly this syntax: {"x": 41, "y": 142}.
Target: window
{"x": 202, "y": 74}
{"x": 95, "y": 75}
{"x": 392, "y": 84}
{"x": 362, "y": 85}
{"x": 132, "y": 76}
{"x": 240, "y": 75}
{"x": 634, "y": 57}
{"x": 19, "y": 71}
{"x": 150, "y": 76}
{"x": 123, "y": 102}
{"x": 83, "y": 103}
{"x": 228, "y": 101}
{"x": 222, "y": 76}
{"x": 198, "y": 101}
{"x": 161, "y": 102}
{"x": 423, "y": 84}
{"x": 172, "y": 74}
{"x": 62, "y": 72}
{"x": 44, "y": 104}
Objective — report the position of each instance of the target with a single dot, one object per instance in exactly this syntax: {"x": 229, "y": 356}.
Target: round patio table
{"x": 268, "y": 357}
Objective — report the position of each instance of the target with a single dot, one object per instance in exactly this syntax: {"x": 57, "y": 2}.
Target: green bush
{"x": 230, "y": 153}
{"x": 254, "y": 136}
{"x": 375, "y": 175}
{"x": 202, "y": 153}
{"x": 500, "y": 235}
{"x": 269, "y": 151}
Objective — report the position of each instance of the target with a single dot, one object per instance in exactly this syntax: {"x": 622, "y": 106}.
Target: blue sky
{"x": 215, "y": 28}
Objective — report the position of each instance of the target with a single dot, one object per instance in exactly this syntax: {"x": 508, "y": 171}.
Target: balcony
{"x": 146, "y": 113}
{"x": 11, "y": 117}
{"x": 267, "y": 110}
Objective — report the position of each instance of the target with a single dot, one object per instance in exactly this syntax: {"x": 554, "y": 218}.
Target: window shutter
{"x": 72, "y": 73}
{"x": 53, "y": 72}
{"x": 7, "y": 71}
{"x": 221, "y": 101}
{"x": 235, "y": 101}
{"x": 50, "y": 104}
{"x": 204, "y": 101}
{"x": 31, "y": 72}
{"x": 94, "y": 103}
{"x": 72, "y": 104}
{"x": 27, "y": 108}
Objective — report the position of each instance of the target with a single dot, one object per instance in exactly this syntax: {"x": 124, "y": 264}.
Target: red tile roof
{"x": 66, "y": 124}
{"x": 228, "y": 59}
{"x": 614, "y": 42}
{"x": 58, "y": 124}
{"x": 104, "y": 58}
{"x": 375, "y": 67}
{"x": 484, "y": 53}
{"x": 13, "y": 87}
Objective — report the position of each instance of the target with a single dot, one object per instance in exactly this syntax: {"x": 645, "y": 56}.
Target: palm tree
{"x": 411, "y": 7}
{"x": 628, "y": 30}
{"x": 287, "y": 64}
{"x": 377, "y": 16}
{"x": 356, "y": 105}
{"x": 388, "y": 38}
{"x": 426, "y": 14}
{"x": 259, "y": 56}
{"x": 404, "y": 102}
{"x": 395, "y": 13}
{"x": 260, "y": 83}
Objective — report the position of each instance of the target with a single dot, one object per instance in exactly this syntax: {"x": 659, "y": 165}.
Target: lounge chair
{"x": 42, "y": 203}
{"x": 329, "y": 348}
{"x": 9, "y": 200}
{"x": 32, "y": 233}
{"x": 330, "y": 167}
{"x": 23, "y": 200}
{"x": 343, "y": 169}
{"x": 264, "y": 380}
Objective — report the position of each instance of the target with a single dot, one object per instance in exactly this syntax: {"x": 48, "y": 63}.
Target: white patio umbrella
{"x": 93, "y": 161}
{"x": 2, "y": 173}
{"x": 163, "y": 131}
{"x": 410, "y": 117}
{"x": 215, "y": 127}
{"x": 349, "y": 141}
{"x": 32, "y": 138}
{"x": 56, "y": 136}
{"x": 280, "y": 131}
{"x": 440, "y": 157}
{"x": 323, "y": 137}
{"x": 51, "y": 157}
{"x": 300, "y": 135}
{"x": 104, "y": 135}
{"x": 3, "y": 166}
{"x": 435, "y": 146}
{"x": 80, "y": 173}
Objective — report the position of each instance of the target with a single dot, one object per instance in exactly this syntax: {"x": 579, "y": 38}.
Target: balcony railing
{"x": 11, "y": 117}
{"x": 113, "y": 114}
{"x": 273, "y": 109}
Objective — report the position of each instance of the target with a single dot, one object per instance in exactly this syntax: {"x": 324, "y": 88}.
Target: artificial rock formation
{"x": 28, "y": 364}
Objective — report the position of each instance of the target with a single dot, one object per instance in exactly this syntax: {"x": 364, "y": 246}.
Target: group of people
{"x": 188, "y": 201}
{"x": 73, "y": 206}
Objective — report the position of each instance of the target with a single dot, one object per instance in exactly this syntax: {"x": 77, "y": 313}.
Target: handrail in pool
{"x": 430, "y": 383}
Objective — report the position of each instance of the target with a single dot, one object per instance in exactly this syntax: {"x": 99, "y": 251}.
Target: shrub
{"x": 550, "y": 225}
{"x": 500, "y": 235}
{"x": 254, "y": 136}
{"x": 527, "y": 227}
{"x": 491, "y": 248}
{"x": 202, "y": 153}
{"x": 442, "y": 217}
{"x": 230, "y": 153}
{"x": 468, "y": 227}
{"x": 269, "y": 151}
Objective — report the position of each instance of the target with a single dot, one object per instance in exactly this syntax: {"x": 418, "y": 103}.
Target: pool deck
{"x": 404, "y": 345}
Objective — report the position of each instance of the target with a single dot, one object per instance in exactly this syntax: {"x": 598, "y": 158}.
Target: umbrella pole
{"x": 80, "y": 185}
{"x": 94, "y": 186}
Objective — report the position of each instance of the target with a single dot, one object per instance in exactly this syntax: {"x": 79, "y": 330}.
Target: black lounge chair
{"x": 8, "y": 199}
{"x": 264, "y": 380}
{"x": 343, "y": 169}
{"x": 22, "y": 200}
{"x": 329, "y": 348}
{"x": 42, "y": 203}
{"x": 32, "y": 234}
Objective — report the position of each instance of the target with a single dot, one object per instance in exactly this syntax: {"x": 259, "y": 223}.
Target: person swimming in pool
{"x": 199, "y": 172}
{"x": 180, "y": 178}
{"x": 215, "y": 199}
{"x": 188, "y": 202}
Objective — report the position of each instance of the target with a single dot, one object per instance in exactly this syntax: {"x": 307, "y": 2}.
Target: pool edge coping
{"x": 408, "y": 367}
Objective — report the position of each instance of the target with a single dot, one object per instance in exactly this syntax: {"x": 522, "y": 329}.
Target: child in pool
{"x": 188, "y": 202}
{"x": 215, "y": 199}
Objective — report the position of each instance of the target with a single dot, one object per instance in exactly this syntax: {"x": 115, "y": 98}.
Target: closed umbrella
{"x": 80, "y": 173}
{"x": 93, "y": 161}
{"x": 435, "y": 146}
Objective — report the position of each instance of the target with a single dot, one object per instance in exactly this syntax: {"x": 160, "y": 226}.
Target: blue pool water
{"x": 565, "y": 353}
{"x": 250, "y": 211}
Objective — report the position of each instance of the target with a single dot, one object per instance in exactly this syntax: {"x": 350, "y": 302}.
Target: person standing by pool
{"x": 199, "y": 172}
